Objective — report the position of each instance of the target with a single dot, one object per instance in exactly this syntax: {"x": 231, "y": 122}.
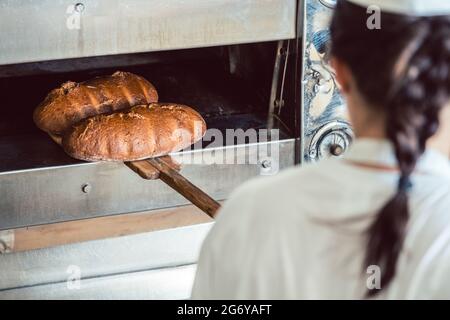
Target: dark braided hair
{"x": 403, "y": 70}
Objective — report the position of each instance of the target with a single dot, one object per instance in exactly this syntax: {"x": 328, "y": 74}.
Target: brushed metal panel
{"x": 51, "y": 29}
{"x": 170, "y": 283}
{"x": 53, "y": 194}
{"x": 106, "y": 257}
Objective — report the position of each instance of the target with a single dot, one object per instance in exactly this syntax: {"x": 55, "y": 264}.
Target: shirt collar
{"x": 381, "y": 152}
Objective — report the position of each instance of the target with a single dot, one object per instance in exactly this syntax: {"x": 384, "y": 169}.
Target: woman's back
{"x": 302, "y": 234}
{"x": 376, "y": 223}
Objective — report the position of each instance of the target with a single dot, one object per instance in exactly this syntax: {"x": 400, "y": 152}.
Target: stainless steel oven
{"x": 71, "y": 229}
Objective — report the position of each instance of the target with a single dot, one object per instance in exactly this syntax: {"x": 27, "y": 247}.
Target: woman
{"x": 375, "y": 223}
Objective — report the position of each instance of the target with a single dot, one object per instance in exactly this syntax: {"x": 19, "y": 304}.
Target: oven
{"x": 256, "y": 70}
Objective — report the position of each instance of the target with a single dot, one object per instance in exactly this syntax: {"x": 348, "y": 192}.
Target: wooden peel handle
{"x": 180, "y": 184}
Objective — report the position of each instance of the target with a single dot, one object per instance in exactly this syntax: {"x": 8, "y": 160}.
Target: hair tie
{"x": 405, "y": 184}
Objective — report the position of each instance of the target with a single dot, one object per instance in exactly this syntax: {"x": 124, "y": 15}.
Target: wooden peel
{"x": 166, "y": 169}
{"x": 147, "y": 171}
{"x": 183, "y": 186}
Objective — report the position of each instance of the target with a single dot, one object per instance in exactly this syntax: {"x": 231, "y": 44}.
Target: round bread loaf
{"x": 141, "y": 132}
{"x": 73, "y": 101}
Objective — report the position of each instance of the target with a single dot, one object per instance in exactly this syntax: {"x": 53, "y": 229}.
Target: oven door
{"x": 60, "y": 29}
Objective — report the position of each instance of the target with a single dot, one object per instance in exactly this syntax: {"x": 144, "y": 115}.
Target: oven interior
{"x": 231, "y": 86}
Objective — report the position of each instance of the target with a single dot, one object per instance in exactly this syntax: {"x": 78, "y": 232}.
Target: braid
{"x": 410, "y": 84}
{"x": 413, "y": 118}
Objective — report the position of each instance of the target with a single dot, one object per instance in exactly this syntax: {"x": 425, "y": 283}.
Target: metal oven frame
{"x": 159, "y": 263}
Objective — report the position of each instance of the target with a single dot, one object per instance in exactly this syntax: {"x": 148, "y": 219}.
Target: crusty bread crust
{"x": 73, "y": 102}
{"x": 141, "y": 132}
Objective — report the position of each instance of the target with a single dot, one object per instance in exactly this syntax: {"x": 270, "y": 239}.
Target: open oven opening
{"x": 231, "y": 86}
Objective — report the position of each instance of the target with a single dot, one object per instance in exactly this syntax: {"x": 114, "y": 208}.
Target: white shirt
{"x": 300, "y": 234}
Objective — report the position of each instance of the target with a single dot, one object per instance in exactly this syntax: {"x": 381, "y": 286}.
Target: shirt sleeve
{"x": 217, "y": 254}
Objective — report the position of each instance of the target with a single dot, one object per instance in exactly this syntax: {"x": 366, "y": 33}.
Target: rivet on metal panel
{"x": 79, "y": 7}
{"x": 266, "y": 164}
{"x": 86, "y": 188}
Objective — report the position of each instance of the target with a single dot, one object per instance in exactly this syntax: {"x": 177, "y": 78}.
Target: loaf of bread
{"x": 141, "y": 132}
{"x": 72, "y": 102}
